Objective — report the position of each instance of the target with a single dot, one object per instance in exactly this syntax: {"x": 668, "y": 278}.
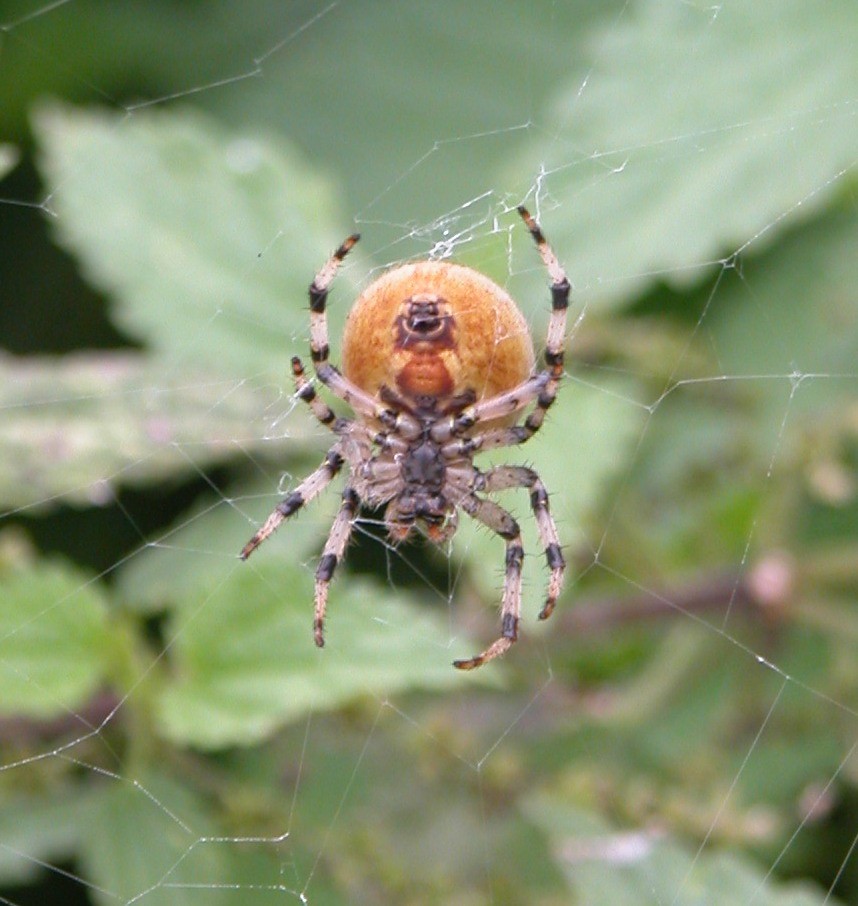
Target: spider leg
{"x": 500, "y": 405}
{"x": 309, "y": 488}
{"x": 500, "y": 521}
{"x": 347, "y": 428}
{"x": 540, "y": 387}
{"x": 319, "y": 299}
{"x": 335, "y": 546}
{"x": 502, "y": 477}
{"x": 560, "y": 289}
{"x": 555, "y": 341}
{"x": 490, "y": 439}
{"x": 362, "y": 402}
{"x": 304, "y": 391}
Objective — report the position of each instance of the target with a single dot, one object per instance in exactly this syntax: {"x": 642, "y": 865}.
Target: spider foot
{"x": 496, "y": 649}
{"x": 249, "y": 548}
{"x": 547, "y": 609}
{"x": 258, "y": 538}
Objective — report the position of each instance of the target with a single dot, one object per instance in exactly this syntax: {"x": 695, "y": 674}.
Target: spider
{"x": 437, "y": 362}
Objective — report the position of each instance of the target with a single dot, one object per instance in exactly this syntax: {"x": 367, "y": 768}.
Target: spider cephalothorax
{"x": 437, "y": 361}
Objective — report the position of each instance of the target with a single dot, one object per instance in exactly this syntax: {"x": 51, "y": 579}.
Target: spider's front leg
{"x": 540, "y": 387}
{"x": 362, "y": 402}
{"x": 560, "y": 289}
{"x": 500, "y": 521}
{"x": 555, "y": 341}
{"x": 304, "y": 391}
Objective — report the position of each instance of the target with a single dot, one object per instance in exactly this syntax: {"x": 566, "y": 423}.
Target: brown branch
{"x": 764, "y": 587}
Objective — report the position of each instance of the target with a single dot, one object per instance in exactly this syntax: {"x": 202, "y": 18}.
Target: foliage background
{"x": 683, "y": 730}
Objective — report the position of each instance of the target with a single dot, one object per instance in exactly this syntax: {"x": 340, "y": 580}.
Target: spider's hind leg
{"x": 335, "y": 547}
{"x": 501, "y": 477}
{"x": 500, "y": 521}
{"x": 309, "y": 488}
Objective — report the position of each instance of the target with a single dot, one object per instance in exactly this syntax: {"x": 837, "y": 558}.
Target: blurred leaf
{"x": 78, "y": 51}
{"x": 54, "y": 640}
{"x": 205, "y": 240}
{"x": 670, "y": 150}
{"x": 611, "y": 867}
{"x": 400, "y": 105}
{"x": 793, "y": 336}
{"x": 433, "y": 112}
{"x": 9, "y": 156}
{"x": 246, "y": 663}
{"x": 141, "y": 838}
{"x": 77, "y": 427}
{"x": 783, "y": 343}
{"x": 39, "y": 829}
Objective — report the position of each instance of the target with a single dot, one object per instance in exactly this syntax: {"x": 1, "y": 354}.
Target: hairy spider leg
{"x": 319, "y": 348}
{"x": 555, "y": 341}
{"x": 304, "y": 391}
{"x": 309, "y": 488}
{"x": 362, "y": 402}
{"x": 540, "y": 387}
{"x": 502, "y": 477}
{"x": 314, "y": 484}
{"x": 500, "y": 521}
{"x": 335, "y": 546}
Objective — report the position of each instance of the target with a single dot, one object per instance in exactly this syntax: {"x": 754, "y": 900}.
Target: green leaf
{"x": 9, "y": 156}
{"x": 77, "y": 427}
{"x": 604, "y": 865}
{"x": 205, "y": 240}
{"x": 430, "y": 113}
{"x": 246, "y": 663}
{"x": 793, "y": 341}
{"x": 690, "y": 130}
{"x": 54, "y": 640}
{"x": 37, "y": 830}
{"x": 151, "y": 840}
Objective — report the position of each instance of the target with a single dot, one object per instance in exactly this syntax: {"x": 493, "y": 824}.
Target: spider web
{"x": 684, "y": 727}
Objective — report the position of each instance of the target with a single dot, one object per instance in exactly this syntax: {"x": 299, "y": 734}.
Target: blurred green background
{"x": 683, "y": 729}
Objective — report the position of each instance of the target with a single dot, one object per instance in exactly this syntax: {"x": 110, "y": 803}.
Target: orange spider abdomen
{"x": 432, "y": 331}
